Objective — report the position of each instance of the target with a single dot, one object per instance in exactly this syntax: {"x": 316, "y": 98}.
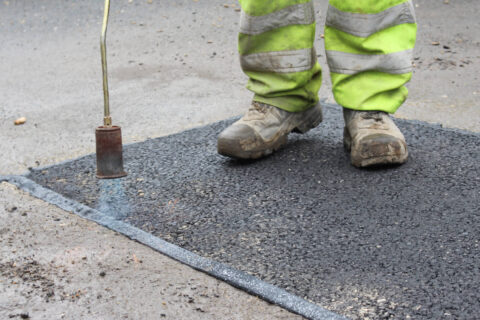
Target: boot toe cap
{"x": 236, "y": 132}
{"x": 379, "y": 149}
{"x": 235, "y": 140}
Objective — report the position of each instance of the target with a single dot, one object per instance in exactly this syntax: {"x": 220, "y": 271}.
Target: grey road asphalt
{"x": 173, "y": 66}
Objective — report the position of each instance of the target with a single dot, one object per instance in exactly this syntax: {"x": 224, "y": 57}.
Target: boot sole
{"x": 226, "y": 149}
{"x": 314, "y": 118}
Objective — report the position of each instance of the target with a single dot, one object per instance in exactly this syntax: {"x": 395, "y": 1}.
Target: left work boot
{"x": 264, "y": 129}
{"x": 373, "y": 139}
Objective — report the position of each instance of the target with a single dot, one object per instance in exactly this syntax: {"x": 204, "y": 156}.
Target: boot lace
{"x": 257, "y": 111}
{"x": 259, "y": 107}
{"x": 377, "y": 116}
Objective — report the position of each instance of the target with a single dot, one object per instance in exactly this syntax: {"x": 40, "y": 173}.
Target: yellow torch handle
{"x": 107, "y": 120}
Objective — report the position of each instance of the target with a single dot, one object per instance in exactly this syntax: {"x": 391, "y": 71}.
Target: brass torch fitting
{"x": 107, "y": 121}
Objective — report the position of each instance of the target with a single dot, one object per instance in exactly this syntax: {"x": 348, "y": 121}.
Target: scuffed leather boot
{"x": 264, "y": 129}
{"x": 373, "y": 139}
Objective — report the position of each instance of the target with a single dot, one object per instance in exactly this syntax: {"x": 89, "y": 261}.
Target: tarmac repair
{"x": 390, "y": 243}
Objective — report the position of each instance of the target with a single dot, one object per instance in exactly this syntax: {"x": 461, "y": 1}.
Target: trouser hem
{"x": 282, "y": 103}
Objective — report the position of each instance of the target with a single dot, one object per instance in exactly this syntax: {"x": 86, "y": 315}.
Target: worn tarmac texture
{"x": 391, "y": 243}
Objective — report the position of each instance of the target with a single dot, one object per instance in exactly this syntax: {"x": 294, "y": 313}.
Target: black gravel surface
{"x": 386, "y": 243}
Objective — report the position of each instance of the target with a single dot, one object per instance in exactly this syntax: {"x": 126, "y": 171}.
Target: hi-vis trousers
{"x": 368, "y": 44}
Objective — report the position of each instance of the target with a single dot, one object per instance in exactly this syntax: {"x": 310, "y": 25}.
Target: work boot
{"x": 264, "y": 129}
{"x": 373, "y": 139}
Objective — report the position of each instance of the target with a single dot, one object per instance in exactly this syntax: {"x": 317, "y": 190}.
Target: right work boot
{"x": 373, "y": 139}
{"x": 264, "y": 129}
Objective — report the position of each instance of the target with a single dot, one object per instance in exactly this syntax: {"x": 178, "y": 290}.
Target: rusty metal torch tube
{"x": 107, "y": 120}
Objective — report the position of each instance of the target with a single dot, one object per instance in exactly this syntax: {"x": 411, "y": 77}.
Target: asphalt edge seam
{"x": 232, "y": 276}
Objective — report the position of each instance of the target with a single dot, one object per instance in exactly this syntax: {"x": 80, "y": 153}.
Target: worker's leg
{"x": 276, "y": 52}
{"x": 369, "y": 46}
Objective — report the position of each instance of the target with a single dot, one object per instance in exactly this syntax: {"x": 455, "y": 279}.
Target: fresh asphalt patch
{"x": 386, "y": 243}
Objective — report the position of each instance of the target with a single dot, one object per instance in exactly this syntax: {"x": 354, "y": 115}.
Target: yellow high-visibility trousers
{"x": 369, "y": 45}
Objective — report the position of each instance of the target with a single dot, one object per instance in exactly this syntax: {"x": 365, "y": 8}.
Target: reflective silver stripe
{"x": 292, "y": 15}
{"x": 364, "y": 25}
{"x": 350, "y": 63}
{"x": 280, "y": 61}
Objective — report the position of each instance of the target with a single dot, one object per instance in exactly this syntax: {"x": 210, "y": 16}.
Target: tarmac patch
{"x": 389, "y": 243}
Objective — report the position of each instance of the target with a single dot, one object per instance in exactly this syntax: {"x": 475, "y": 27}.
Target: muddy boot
{"x": 373, "y": 139}
{"x": 264, "y": 129}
